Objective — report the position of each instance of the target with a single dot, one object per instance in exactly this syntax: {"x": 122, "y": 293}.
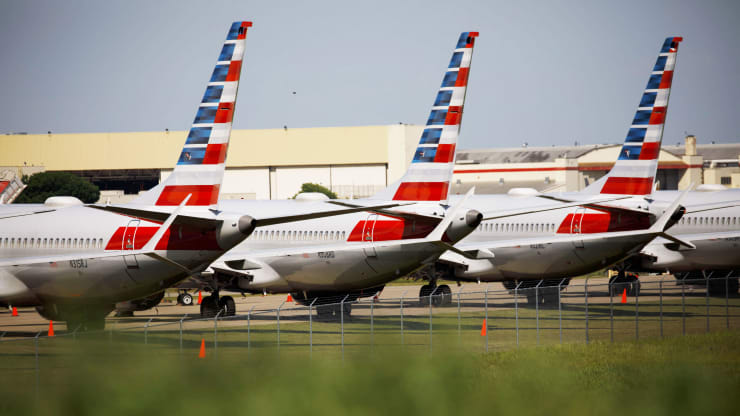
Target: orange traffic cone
{"x": 202, "y": 353}
{"x": 624, "y": 295}
{"x": 14, "y": 312}
{"x": 200, "y": 297}
{"x": 484, "y": 329}
{"x": 290, "y": 299}
{"x": 51, "y": 328}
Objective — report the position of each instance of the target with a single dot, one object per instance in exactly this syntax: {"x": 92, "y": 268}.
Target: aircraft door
{"x": 128, "y": 244}
{"x": 368, "y": 236}
{"x": 577, "y": 224}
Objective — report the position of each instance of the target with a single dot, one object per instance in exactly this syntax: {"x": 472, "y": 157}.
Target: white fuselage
{"x": 54, "y": 250}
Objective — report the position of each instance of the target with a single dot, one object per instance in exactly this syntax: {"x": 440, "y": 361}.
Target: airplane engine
{"x": 463, "y": 225}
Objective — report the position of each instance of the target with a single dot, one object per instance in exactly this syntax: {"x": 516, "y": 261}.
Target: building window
{"x": 725, "y": 180}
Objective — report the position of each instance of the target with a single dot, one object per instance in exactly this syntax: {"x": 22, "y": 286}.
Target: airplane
{"x": 606, "y": 232}
{"x": 323, "y": 262}
{"x": 712, "y": 225}
{"x": 73, "y": 262}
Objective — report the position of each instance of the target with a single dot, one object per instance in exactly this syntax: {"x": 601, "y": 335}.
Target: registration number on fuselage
{"x": 78, "y": 264}
{"x": 326, "y": 254}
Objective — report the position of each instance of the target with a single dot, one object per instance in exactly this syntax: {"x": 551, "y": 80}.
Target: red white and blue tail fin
{"x": 429, "y": 175}
{"x": 200, "y": 168}
{"x": 635, "y": 170}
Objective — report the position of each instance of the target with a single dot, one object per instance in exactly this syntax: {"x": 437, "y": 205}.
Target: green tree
{"x": 315, "y": 187}
{"x": 45, "y": 184}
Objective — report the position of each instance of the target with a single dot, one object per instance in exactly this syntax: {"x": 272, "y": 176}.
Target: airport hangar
{"x": 354, "y": 162}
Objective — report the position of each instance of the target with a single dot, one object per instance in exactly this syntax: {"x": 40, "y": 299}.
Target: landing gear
{"x": 441, "y": 295}
{"x": 622, "y": 281}
{"x": 227, "y": 306}
{"x": 213, "y": 304}
{"x": 185, "y": 299}
{"x": 209, "y": 307}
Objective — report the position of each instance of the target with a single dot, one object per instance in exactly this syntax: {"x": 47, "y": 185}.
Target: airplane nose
{"x": 473, "y": 218}
{"x": 246, "y": 224}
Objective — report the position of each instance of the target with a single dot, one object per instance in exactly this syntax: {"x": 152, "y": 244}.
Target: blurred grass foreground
{"x": 686, "y": 375}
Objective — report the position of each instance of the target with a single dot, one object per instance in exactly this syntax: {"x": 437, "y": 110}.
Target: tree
{"x": 315, "y": 187}
{"x": 45, "y": 184}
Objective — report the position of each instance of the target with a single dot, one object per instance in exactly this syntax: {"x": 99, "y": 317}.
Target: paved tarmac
{"x": 262, "y": 309}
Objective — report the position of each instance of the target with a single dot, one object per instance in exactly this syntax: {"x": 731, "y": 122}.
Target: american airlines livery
{"x": 605, "y": 232}
{"x": 73, "y": 262}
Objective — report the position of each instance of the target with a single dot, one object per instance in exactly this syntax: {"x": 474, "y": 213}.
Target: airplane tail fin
{"x": 635, "y": 170}
{"x": 200, "y": 167}
{"x": 429, "y": 175}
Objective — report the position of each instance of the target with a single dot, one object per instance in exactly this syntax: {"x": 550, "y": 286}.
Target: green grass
{"x": 683, "y": 375}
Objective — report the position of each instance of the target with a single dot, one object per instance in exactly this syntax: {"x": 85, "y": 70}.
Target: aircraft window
{"x": 44, "y": 244}
{"x": 332, "y": 235}
{"x": 343, "y": 234}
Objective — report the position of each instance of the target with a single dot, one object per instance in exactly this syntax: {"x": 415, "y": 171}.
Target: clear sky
{"x": 546, "y": 73}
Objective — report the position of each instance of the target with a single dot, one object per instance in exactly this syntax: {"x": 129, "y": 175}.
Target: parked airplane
{"x": 352, "y": 256}
{"x": 712, "y": 225}
{"x": 73, "y": 262}
{"x": 609, "y": 232}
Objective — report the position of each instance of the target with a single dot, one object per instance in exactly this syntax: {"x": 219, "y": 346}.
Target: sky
{"x": 543, "y": 72}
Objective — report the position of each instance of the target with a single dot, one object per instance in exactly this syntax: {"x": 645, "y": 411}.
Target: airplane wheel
{"x": 186, "y": 299}
{"x": 424, "y": 293}
{"x": 227, "y": 305}
{"x": 179, "y": 299}
{"x": 446, "y": 293}
{"x": 209, "y": 307}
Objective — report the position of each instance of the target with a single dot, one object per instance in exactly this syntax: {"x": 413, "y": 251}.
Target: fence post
{"x": 341, "y": 310}
{"x": 637, "y": 310}
{"x": 537, "y": 308}
{"x": 36, "y": 351}
{"x": 516, "y": 311}
{"x": 182, "y": 319}
{"x": 310, "y": 327}
{"x": 146, "y": 331}
{"x": 611, "y": 310}
{"x": 706, "y": 278}
{"x": 431, "y": 339}
{"x": 215, "y": 332}
{"x": 727, "y": 300}
{"x": 372, "y": 320}
{"x": 278, "y": 325}
{"x": 459, "y": 327}
{"x": 485, "y": 321}
{"x": 402, "y": 294}
{"x": 249, "y": 325}
{"x": 683, "y": 306}
{"x": 560, "y": 312}
{"x": 660, "y": 302}
{"x": 585, "y": 294}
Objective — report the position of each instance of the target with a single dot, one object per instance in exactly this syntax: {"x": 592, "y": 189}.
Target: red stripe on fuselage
{"x": 603, "y": 222}
{"x": 628, "y": 186}
{"x": 421, "y": 191}
{"x": 178, "y": 237}
{"x": 390, "y": 228}
{"x": 202, "y": 195}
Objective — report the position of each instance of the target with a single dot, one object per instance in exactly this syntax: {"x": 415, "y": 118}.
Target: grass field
{"x": 680, "y": 375}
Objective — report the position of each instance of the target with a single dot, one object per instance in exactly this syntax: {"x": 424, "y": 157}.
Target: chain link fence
{"x": 478, "y": 320}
